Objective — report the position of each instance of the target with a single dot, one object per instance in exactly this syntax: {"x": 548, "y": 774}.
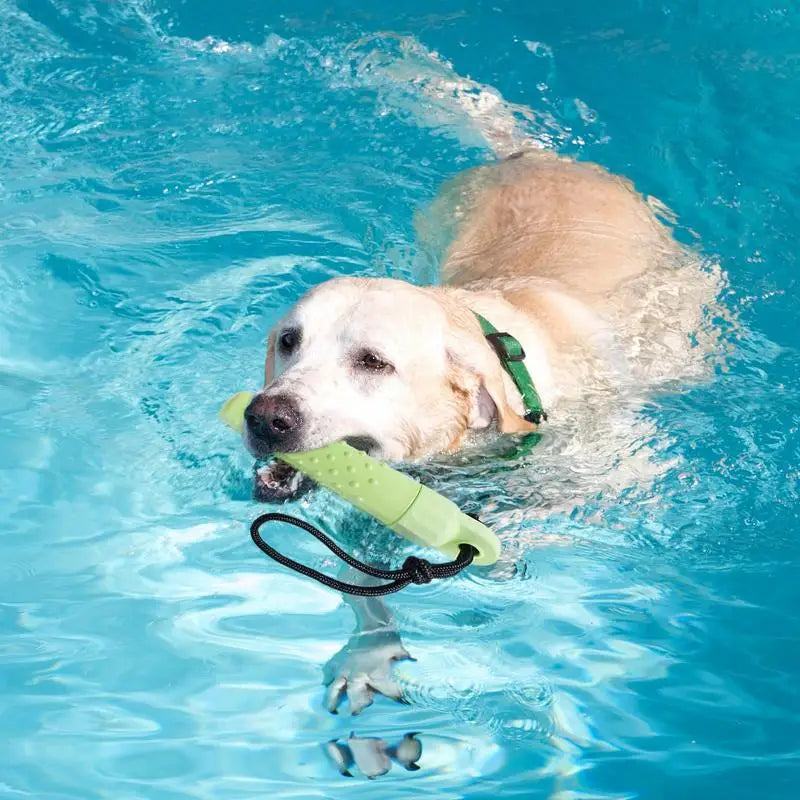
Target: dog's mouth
{"x": 278, "y": 482}
{"x": 366, "y": 444}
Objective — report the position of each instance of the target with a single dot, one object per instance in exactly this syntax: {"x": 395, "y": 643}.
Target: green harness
{"x": 512, "y": 357}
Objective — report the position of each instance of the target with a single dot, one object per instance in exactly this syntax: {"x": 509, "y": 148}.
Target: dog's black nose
{"x": 272, "y": 418}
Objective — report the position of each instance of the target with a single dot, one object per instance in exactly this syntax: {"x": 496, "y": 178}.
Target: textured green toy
{"x": 397, "y": 501}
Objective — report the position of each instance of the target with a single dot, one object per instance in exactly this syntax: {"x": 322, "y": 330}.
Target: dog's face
{"x": 396, "y": 370}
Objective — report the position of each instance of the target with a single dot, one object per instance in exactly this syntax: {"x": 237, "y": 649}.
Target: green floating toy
{"x": 406, "y": 506}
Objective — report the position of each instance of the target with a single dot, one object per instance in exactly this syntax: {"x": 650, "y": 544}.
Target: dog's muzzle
{"x": 274, "y": 423}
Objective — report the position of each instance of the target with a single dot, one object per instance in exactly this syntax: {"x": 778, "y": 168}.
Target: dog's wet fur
{"x": 565, "y": 256}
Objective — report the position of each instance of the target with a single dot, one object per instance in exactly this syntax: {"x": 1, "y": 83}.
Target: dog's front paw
{"x": 361, "y": 668}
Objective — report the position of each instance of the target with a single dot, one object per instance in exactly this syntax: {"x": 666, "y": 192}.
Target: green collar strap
{"x": 512, "y": 357}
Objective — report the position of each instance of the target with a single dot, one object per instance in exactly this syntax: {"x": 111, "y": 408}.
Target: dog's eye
{"x": 374, "y": 363}
{"x": 288, "y": 340}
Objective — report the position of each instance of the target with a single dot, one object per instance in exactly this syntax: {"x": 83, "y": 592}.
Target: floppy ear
{"x": 508, "y": 421}
{"x": 269, "y": 366}
{"x": 470, "y": 353}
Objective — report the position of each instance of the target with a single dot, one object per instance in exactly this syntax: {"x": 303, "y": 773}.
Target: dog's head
{"x": 396, "y": 370}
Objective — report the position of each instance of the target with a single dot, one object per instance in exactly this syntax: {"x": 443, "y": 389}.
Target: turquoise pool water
{"x": 174, "y": 174}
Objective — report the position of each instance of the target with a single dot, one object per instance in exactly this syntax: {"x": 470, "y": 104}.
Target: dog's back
{"x": 538, "y": 215}
{"x": 538, "y": 226}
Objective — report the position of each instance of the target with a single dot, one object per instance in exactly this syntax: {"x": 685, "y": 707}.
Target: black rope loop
{"x": 414, "y": 570}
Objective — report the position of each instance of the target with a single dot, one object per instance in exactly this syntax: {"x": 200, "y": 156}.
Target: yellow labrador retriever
{"x": 545, "y": 248}
{"x": 564, "y": 256}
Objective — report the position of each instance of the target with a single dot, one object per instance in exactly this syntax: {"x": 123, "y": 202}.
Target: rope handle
{"x": 414, "y": 570}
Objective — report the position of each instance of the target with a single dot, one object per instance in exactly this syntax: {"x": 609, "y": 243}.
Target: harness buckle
{"x": 500, "y": 341}
{"x": 535, "y": 417}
